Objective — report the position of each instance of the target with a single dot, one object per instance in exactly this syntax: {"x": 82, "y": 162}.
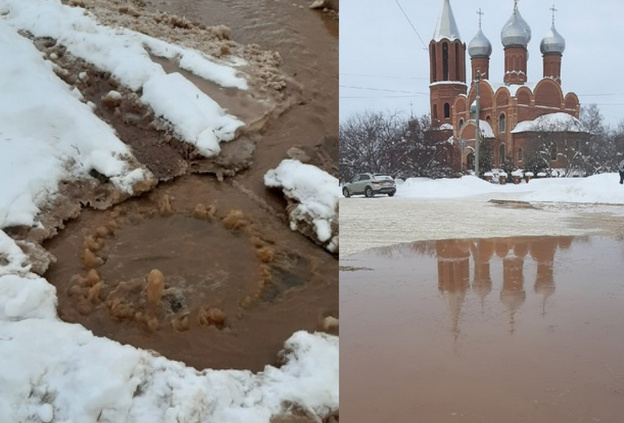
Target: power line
{"x": 599, "y": 95}
{"x": 383, "y": 76}
{"x": 382, "y": 89}
{"x": 383, "y": 96}
{"x": 410, "y": 22}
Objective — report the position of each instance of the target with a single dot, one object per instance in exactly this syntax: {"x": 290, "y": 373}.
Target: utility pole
{"x": 477, "y": 119}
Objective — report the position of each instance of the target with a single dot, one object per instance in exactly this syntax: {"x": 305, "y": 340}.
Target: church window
{"x": 434, "y": 64}
{"x": 501, "y": 123}
{"x": 501, "y": 154}
{"x": 577, "y": 145}
{"x": 461, "y": 124}
{"x": 520, "y": 154}
{"x": 457, "y": 69}
{"x": 553, "y": 151}
{"x": 445, "y": 60}
{"x": 447, "y": 110}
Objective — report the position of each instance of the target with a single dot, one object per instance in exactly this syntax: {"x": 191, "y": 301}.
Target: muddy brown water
{"x": 266, "y": 279}
{"x": 307, "y": 41}
{"x": 490, "y": 330}
{"x": 232, "y": 294}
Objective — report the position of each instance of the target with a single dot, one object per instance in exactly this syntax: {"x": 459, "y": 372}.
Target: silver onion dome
{"x": 552, "y": 42}
{"x": 516, "y": 32}
{"x": 479, "y": 45}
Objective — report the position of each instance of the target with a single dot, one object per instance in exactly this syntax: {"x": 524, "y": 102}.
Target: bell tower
{"x": 552, "y": 48}
{"x": 515, "y": 37}
{"x": 447, "y": 62}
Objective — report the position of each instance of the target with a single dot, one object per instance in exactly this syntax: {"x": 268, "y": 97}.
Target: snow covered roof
{"x": 446, "y": 126}
{"x": 486, "y": 129}
{"x": 551, "y": 122}
{"x": 446, "y": 26}
{"x": 484, "y": 126}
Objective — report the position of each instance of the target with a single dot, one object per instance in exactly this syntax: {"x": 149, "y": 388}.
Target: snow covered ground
{"x": 425, "y": 209}
{"x": 51, "y": 371}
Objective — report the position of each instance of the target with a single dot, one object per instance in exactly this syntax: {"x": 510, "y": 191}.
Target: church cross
{"x": 480, "y": 13}
{"x": 553, "y": 13}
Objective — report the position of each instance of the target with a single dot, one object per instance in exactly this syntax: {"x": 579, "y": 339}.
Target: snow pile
{"x": 551, "y": 122}
{"x": 603, "y": 188}
{"x": 313, "y": 200}
{"x": 49, "y": 135}
{"x": 54, "y": 371}
{"x": 126, "y": 55}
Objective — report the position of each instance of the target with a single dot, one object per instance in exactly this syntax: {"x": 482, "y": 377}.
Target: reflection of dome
{"x": 482, "y": 288}
{"x": 516, "y": 32}
{"x": 552, "y": 42}
{"x": 479, "y": 45}
{"x": 545, "y": 290}
{"x": 512, "y": 299}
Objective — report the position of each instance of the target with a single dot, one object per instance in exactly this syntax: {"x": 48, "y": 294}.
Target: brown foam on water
{"x": 495, "y": 330}
{"x": 213, "y": 286}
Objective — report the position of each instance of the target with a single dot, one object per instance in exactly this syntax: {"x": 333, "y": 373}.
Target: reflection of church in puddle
{"x": 454, "y": 279}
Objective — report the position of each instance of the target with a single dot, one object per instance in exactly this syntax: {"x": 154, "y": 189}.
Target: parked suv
{"x": 370, "y": 184}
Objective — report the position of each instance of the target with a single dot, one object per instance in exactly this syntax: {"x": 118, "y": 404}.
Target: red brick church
{"x": 516, "y": 116}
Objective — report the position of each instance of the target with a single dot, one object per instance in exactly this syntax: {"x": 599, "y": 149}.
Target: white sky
{"x": 44, "y": 126}
{"x": 381, "y": 52}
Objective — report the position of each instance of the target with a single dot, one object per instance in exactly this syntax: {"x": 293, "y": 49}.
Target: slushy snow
{"x": 52, "y": 371}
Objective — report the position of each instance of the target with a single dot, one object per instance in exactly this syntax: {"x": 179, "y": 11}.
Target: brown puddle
{"x": 492, "y": 330}
{"x": 195, "y": 272}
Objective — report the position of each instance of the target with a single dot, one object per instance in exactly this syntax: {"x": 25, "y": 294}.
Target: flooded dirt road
{"x": 523, "y": 329}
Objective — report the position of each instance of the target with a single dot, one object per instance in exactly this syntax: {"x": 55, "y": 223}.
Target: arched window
{"x": 461, "y": 124}
{"x": 457, "y": 76}
{"x": 470, "y": 161}
{"x": 434, "y": 65}
{"x": 553, "y": 151}
{"x": 520, "y": 154}
{"x": 447, "y": 110}
{"x": 501, "y": 154}
{"x": 445, "y": 67}
{"x": 501, "y": 123}
{"x": 488, "y": 119}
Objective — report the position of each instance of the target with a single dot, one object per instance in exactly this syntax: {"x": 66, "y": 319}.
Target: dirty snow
{"x": 315, "y": 193}
{"x": 49, "y": 134}
{"x": 126, "y": 55}
{"x": 60, "y": 372}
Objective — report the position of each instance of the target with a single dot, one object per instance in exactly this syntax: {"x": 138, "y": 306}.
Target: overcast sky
{"x": 384, "y": 65}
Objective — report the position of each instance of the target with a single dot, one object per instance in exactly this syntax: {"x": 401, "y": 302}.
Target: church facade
{"x": 518, "y": 118}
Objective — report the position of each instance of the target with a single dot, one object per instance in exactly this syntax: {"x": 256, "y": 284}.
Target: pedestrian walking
{"x": 621, "y": 169}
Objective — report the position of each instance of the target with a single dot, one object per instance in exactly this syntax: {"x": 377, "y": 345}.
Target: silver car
{"x": 370, "y": 184}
